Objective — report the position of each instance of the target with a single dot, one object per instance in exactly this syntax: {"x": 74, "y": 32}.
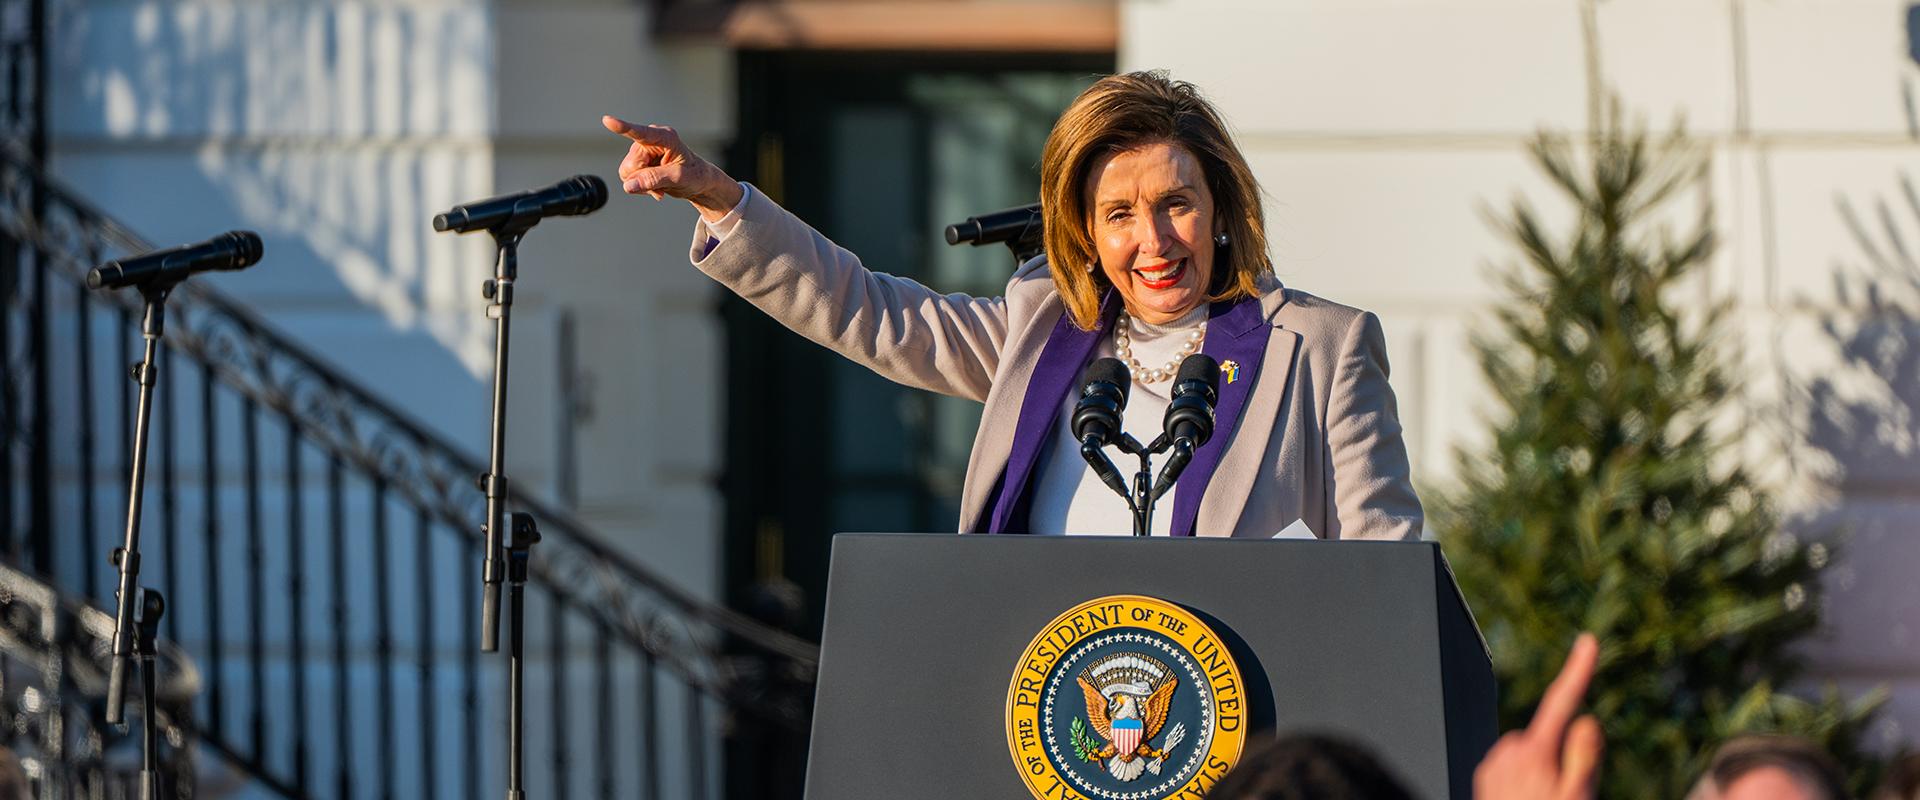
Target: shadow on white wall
{"x": 335, "y": 129}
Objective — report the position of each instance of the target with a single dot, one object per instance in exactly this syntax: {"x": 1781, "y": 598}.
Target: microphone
{"x": 1006, "y": 225}
{"x": 1096, "y": 417}
{"x": 228, "y": 251}
{"x": 1189, "y": 420}
{"x": 580, "y": 194}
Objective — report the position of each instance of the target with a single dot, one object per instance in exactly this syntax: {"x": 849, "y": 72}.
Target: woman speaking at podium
{"x": 1155, "y": 249}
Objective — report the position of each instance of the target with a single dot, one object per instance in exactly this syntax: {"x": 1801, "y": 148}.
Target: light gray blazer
{"x": 1319, "y": 439}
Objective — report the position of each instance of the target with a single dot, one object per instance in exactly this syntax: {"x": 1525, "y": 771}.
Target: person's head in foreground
{"x": 1309, "y": 767}
{"x": 1902, "y": 781}
{"x": 1768, "y": 767}
{"x": 1143, "y": 190}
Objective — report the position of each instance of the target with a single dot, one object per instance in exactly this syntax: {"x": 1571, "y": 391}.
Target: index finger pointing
{"x": 1564, "y": 694}
{"x": 644, "y": 134}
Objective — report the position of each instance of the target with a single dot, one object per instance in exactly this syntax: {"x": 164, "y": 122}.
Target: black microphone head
{"x": 1200, "y": 367}
{"x": 1005, "y": 225}
{"x": 245, "y": 247}
{"x": 585, "y": 194}
{"x": 1103, "y": 395}
{"x": 1195, "y": 387}
{"x": 1109, "y": 370}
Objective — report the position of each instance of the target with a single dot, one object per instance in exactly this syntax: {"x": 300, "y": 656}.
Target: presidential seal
{"x": 1125, "y": 698}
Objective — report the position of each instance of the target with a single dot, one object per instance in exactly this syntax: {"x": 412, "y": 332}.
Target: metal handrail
{"x": 352, "y": 423}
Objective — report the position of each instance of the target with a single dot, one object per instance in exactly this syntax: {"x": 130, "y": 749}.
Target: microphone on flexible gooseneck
{"x": 1096, "y": 416}
{"x": 1189, "y": 420}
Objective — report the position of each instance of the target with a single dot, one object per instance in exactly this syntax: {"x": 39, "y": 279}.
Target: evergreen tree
{"x": 1608, "y": 499}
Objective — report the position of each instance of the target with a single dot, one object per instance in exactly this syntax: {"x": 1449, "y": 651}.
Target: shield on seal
{"x": 1126, "y": 734}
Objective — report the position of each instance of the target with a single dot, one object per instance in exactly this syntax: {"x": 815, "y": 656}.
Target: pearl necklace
{"x": 1122, "y": 348}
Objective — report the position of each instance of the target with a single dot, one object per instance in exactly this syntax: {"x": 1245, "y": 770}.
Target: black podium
{"x": 925, "y": 633}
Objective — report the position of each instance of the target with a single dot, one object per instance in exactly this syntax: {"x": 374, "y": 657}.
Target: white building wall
{"x": 337, "y": 130}
{"x": 648, "y": 447}
{"x": 1381, "y": 130}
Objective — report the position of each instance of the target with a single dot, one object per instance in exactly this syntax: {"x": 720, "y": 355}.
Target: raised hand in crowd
{"x": 1556, "y": 757}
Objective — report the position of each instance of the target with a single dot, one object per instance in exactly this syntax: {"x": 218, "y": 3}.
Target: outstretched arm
{"x": 906, "y": 332}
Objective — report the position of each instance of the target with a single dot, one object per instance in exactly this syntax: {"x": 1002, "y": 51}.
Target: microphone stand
{"x": 1145, "y": 492}
{"x": 1188, "y": 424}
{"x": 127, "y": 557}
{"x": 152, "y": 606}
{"x": 519, "y": 555}
{"x": 583, "y": 194}
{"x": 498, "y": 289}
{"x": 507, "y": 219}
{"x": 505, "y": 560}
{"x": 1140, "y": 501}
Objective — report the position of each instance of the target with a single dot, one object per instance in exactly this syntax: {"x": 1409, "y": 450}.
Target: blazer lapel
{"x": 1060, "y": 363}
{"x": 1231, "y": 342}
{"x": 1241, "y": 465}
{"x": 1256, "y": 363}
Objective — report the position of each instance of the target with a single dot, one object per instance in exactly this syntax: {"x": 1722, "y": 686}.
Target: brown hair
{"x": 1123, "y": 112}
{"x": 1309, "y": 766}
{"x": 1809, "y": 765}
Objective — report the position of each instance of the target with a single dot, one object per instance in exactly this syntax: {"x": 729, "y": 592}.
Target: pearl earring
{"x": 1220, "y": 239}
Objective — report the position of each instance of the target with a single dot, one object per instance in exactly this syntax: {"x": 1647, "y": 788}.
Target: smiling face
{"x": 1152, "y": 223}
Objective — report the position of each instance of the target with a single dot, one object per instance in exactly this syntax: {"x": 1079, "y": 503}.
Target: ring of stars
{"x": 1196, "y": 744}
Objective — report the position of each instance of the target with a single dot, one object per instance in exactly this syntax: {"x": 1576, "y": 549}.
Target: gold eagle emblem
{"x": 1128, "y": 696}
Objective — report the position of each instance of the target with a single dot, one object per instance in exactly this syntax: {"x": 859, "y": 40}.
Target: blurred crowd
{"x": 1556, "y": 757}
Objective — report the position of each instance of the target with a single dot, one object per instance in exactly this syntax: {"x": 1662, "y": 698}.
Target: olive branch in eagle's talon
{"x": 1085, "y": 746}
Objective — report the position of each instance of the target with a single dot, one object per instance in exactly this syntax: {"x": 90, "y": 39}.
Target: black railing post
{"x": 603, "y": 711}
{"x": 37, "y": 133}
{"x": 424, "y": 586}
{"x": 210, "y": 503}
{"x": 40, "y": 434}
{"x": 649, "y": 726}
{"x": 89, "y": 520}
{"x": 256, "y": 579}
{"x": 557, "y": 670}
{"x": 696, "y": 742}
{"x": 296, "y": 541}
{"x": 42, "y": 453}
{"x": 342, "y": 721}
{"x": 382, "y": 556}
{"x": 167, "y": 410}
{"x": 10, "y": 388}
{"x": 470, "y": 694}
